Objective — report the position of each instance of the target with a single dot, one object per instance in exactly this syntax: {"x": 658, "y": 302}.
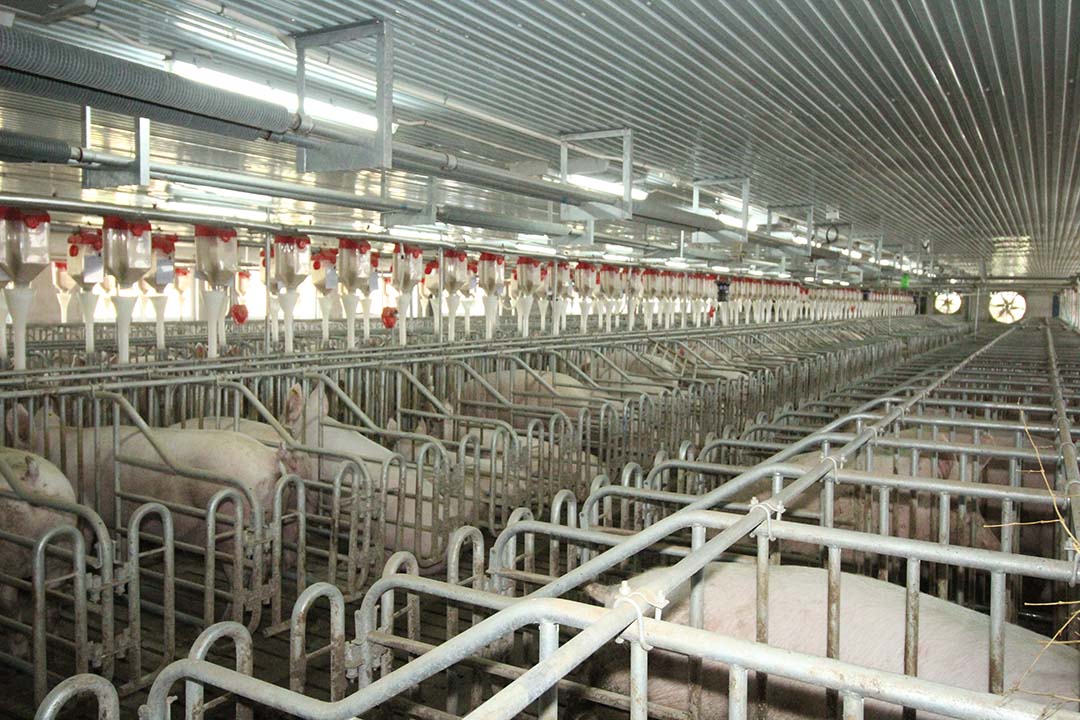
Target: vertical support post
{"x": 746, "y": 209}
{"x": 548, "y": 704}
{"x": 142, "y": 152}
{"x": 269, "y": 320}
{"x": 639, "y": 682}
{"x": 384, "y": 95}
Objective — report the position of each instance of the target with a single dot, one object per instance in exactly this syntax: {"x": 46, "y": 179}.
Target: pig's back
{"x": 24, "y": 519}
{"x": 953, "y": 641}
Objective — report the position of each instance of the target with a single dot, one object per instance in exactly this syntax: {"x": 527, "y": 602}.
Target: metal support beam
{"x": 743, "y": 183}
{"x": 360, "y": 155}
{"x": 598, "y": 211}
{"x": 136, "y": 173}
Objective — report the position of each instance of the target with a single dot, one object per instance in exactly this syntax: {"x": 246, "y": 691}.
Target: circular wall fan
{"x": 1007, "y": 306}
{"x": 947, "y": 303}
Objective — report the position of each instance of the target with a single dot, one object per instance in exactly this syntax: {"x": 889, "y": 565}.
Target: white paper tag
{"x": 331, "y": 280}
{"x": 93, "y": 269}
{"x": 163, "y": 273}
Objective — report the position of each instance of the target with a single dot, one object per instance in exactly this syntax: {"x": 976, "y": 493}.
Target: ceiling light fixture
{"x": 262, "y": 91}
{"x": 607, "y": 187}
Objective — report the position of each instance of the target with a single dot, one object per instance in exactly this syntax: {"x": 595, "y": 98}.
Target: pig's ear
{"x": 392, "y": 425}
{"x": 294, "y": 405}
{"x": 18, "y": 419}
{"x": 421, "y": 428}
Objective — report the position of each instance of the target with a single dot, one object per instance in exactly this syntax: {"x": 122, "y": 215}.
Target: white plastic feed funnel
{"x": 325, "y": 278}
{"x": 528, "y": 282}
{"x": 405, "y": 273}
{"x": 455, "y": 271}
{"x": 24, "y": 253}
{"x": 355, "y": 270}
{"x": 216, "y": 262}
{"x": 492, "y": 276}
{"x": 291, "y": 258}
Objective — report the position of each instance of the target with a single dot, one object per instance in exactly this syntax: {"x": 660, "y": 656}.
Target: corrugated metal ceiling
{"x": 954, "y": 122}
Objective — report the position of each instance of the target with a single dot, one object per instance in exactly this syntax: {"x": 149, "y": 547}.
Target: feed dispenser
{"x": 430, "y": 290}
{"x": 87, "y": 268}
{"x": 127, "y": 254}
{"x": 492, "y": 280}
{"x": 406, "y": 271}
{"x": 542, "y": 294}
{"x": 586, "y": 283}
{"x": 324, "y": 276}
{"x": 635, "y": 291}
{"x": 561, "y": 288}
{"x": 528, "y": 272}
{"x": 455, "y": 266}
{"x": 611, "y": 291}
{"x": 65, "y": 285}
{"x": 161, "y": 274}
{"x": 24, "y": 253}
{"x": 291, "y": 259}
{"x": 216, "y": 262}
{"x": 356, "y": 271}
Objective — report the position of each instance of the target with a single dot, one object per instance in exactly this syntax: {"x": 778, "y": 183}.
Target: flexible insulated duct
{"x": 27, "y": 148}
{"x": 33, "y": 55}
{"x": 35, "y": 86}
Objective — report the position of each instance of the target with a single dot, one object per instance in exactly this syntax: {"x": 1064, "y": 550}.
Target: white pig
{"x": 953, "y": 641}
{"x": 305, "y": 419}
{"x": 224, "y": 454}
{"x": 921, "y": 525}
{"x": 524, "y": 389}
{"x": 39, "y": 477}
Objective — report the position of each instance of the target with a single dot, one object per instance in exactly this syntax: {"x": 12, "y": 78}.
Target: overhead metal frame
{"x": 588, "y": 212}
{"x": 743, "y": 183}
{"x": 136, "y": 173}
{"x": 343, "y": 156}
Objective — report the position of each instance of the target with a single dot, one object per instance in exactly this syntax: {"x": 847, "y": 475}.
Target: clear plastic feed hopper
{"x": 127, "y": 256}
{"x": 561, "y": 289}
{"x": 356, "y": 272}
{"x": 611, "y": 291}
{"x": 161, "y": 274}
{"x": 455, "y": 266}
{"x": 469, "y": 293}
{"x": 528, "y": 272}
{"x": 291, "y": 261}
{"x": 492, "y": 274}
{"x": 24, "y": 237}
{"x": 653, "y": 285}
{"x": 635, "y": 291}
{"x": 87, "y": 269}
{"x": 543, "y": 293}
{"x": 586, "y": 284}
{"x": 430, "y": 290}
{"x": 406, "y": 272}
{"x": 216, "y": 262}
{"x": 325, "y": 278}
{"x": 65, "y": 285}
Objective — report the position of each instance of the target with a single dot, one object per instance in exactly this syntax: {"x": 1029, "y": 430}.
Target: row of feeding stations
{"x": 125, "y": 258}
